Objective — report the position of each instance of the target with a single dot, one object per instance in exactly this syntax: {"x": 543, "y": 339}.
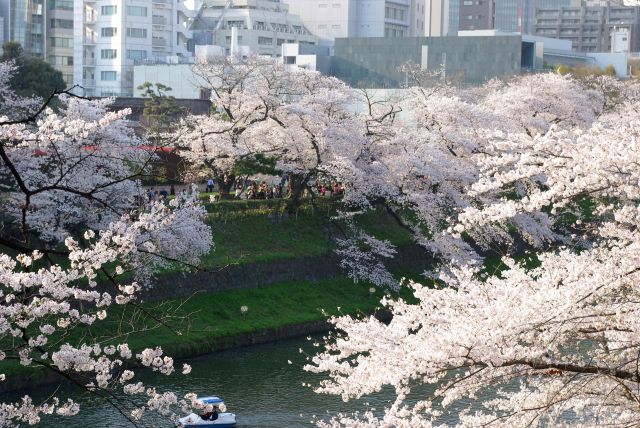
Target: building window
{"x": 136, "y": 55}
{"x": 60, "y": 60}
{"x": 109, "y": 31}
{"x": 62, "y": 23}
{"x": 108, "y": 76}
{"x": 265, "y": 41}
{"x": 61, "y": 4}
{"x": 139, "y": 33}
{"x": 136, "y": 11}
{"x": 109, "y": 10}
{"x": 109, "y": 53}
{"x": 61, "y": 42}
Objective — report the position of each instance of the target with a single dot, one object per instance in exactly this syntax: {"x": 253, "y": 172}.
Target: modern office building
{"x": 502, "y": 15}
{"x": 590, "y": 27}
{"x": 111, "y": 36}
{"x": 44, "y": 28}
{"x": 331, "y": 19}
{"x": 477, "y": 15}
{"x": 263, "y": 25}
{"x": 23, "y": 22}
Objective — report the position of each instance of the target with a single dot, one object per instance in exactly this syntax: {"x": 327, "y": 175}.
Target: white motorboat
{"x": 218, "y": 419}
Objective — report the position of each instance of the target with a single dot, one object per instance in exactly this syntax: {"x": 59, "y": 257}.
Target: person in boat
{"x": 210, "y": 416}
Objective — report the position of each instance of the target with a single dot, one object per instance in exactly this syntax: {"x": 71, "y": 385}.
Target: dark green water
{"x": 257, "y": 383}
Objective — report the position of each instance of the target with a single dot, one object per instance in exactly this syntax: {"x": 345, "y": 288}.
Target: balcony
{"x": 88, "y": 83}
{"x": 89, "y": 62}
{"x": 89, "y": 41}
{"x": 159, "y": 42}
{"x": 90, "y": 18}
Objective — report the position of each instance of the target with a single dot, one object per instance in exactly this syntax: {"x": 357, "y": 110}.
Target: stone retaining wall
{"x": 252, "y": 275}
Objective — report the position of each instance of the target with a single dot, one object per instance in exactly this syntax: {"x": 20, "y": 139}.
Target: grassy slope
{"x": 248, "y": 232}
{"x": 205, "y": 318}
{"x": 255, "y": 231}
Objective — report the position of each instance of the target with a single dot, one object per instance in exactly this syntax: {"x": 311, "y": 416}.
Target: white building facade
{"x": 331, "y": 19}
{"x": 111, "y": 36}
{"x": 263, "y": 26}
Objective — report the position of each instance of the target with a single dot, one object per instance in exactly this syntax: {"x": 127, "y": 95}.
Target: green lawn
{"x": 256, "y": 231}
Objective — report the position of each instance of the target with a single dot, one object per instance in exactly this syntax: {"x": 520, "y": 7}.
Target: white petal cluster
{"x": 556, "y": 345}
{"x": 74, "y": 211}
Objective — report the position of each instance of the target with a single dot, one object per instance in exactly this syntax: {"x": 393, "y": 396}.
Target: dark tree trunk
{"x": 297, "y": 183}
{"x": 225, "y": 186}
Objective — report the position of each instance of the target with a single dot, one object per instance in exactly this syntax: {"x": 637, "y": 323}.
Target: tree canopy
{"x": 33, "y": 76}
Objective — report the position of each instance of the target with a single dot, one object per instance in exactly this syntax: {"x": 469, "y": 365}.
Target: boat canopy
{"x": 211, "y": 400}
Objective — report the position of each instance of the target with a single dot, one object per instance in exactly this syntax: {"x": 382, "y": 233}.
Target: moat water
{"x": 257, "y": 383}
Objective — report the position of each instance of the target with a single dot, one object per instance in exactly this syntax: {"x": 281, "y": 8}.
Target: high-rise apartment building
{"x": 96, "y": 43}
{"x": 590, "y": 27}
{"x": 262, "y": 25}
{"x": 330, "y": 19}
{"x": 58, "y": 41}
{"x": 110, "y": 36}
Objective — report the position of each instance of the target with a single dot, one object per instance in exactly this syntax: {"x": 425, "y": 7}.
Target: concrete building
{"x": 621, "y": 40}
{"x": 590, "y": 27}
{"x": 111, "y": 36}
{"x": 375, "y": 62}
{"x": 471, "y": 58}
{"x": 308, "y": 57}
{"x": 262, "y": 25}
{"x": 331, "y": 19}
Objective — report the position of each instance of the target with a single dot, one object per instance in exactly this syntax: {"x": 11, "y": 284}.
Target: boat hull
{"x": 225, "y": 420}
{"x": 212, "y": 425}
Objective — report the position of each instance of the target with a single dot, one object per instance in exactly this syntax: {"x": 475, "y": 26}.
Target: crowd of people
{"x": 161, "y": 194}
{"x": 257, "y": 189}
{"x": 249, "y": 189}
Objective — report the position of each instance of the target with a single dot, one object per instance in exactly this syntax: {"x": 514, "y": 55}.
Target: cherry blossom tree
{"x": 297, "y": 118}
{"x": 80, "y": 241}
{"x": 554, "y": 345}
